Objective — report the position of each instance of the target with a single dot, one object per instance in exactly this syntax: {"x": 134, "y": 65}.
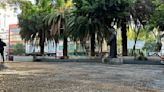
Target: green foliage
{"x": 32, "y": 24}
{"x": 156, "y": 23}
{"x": 46, "y": 19}
{"x": 157, "y": 19}
{"x": 57, "y": 18}
{"x": 150, "y": 40}
{"x": 95, "y": 16}
{"x": 35, "y": 28}
{"x": 149, "y": 46}
{"x": 141, "y": 10}
{"x": 141, "y": 56}
{"x": 143, "y": 35}
{"x": 18, "y": 49}
{"x": 158, "y": 46}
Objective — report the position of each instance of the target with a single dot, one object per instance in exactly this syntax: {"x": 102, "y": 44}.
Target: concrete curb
{"x": 71, "y": 60}
{"x": 116, "y": 61}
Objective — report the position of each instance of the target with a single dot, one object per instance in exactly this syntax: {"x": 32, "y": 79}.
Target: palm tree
{"x": 134, "y": 10}
{"x": 141, "y": 12}
{"x": 83, "y": 27}
{"x": 93, "y": 17}
{"x": 122, "y": 21}
{"x": 57, "y": 19}
{"x": 32, "y": 24}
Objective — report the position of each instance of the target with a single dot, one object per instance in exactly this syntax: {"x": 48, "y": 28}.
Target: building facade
{"x": 9, "y": 31}
{"x": 13, "y": 37}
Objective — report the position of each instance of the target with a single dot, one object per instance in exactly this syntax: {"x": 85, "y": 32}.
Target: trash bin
{"x": 11, "y": 58}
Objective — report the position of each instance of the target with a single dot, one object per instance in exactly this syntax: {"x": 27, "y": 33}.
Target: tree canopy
{"x": 32, "y": 25}
{"x": 92, "y": 19}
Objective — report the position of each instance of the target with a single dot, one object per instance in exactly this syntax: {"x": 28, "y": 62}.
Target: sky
{"x": 32, "y": 1}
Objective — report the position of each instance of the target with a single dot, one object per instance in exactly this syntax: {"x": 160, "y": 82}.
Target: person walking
{"x": 2, "y": 44}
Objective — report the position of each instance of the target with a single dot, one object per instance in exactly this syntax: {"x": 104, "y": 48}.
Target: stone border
{"x": 106, "y": 60}
{"x": 112, "y": 61}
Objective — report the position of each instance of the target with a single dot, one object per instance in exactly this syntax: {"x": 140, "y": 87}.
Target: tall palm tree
{"x": 134, "y": 10}
{"x": 57, "y": 19}
{"x": 82, "y": 25}
{"x": 122, "y": 21}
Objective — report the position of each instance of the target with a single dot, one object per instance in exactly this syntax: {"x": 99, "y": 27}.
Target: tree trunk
{"x": 124, "y": 38}
{"x": 42, "y": 40}
{"x": 56, "y": 50}
{"x": 65, "y": 42}
{"x": 134, "y": 47}
{"x": 93, "y": 45}
{"x": 42, "y": 48}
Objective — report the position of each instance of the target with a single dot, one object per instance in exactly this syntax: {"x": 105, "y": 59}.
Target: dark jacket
{"x": 2, "y": 44}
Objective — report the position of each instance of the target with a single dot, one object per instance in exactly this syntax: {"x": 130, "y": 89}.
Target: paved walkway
{"x": 80, "y": 77}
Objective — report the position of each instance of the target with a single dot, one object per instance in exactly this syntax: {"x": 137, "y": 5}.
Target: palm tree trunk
{"x": 93, "y": 45}
{"x": 124, "y": 38}
{"x": 65, "y": 42}
{"x": 42, "y": 48}
{"x": 42, "y": 40}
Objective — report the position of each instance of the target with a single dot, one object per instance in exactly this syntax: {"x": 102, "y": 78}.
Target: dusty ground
{"x": 80, "y": 77}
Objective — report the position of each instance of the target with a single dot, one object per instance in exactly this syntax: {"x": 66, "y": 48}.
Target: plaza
{"x": 80, "y": 77}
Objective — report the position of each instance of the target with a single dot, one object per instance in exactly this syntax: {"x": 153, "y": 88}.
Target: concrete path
{"x": 80, "y": 77}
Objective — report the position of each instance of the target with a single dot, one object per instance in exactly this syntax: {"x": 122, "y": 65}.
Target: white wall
{"x": 8, "y": 15}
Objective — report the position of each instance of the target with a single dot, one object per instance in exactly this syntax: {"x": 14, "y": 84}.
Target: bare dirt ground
{"x": 80, "y": 77}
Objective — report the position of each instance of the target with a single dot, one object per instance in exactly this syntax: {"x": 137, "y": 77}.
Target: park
{"x": 82, "y": 46}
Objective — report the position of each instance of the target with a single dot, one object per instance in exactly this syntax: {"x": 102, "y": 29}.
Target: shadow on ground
{"x": 2, "y": 66}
